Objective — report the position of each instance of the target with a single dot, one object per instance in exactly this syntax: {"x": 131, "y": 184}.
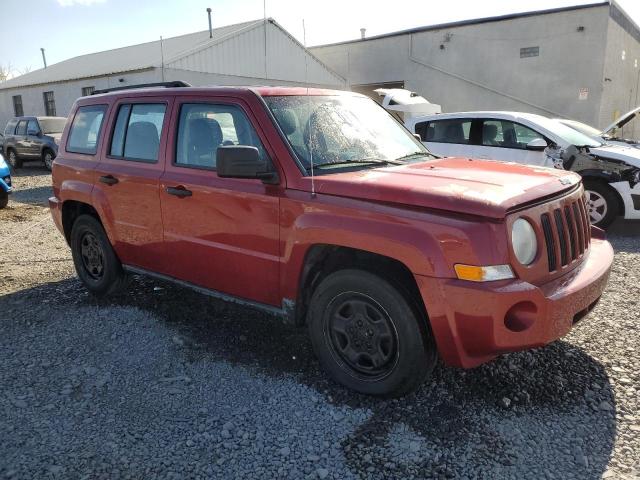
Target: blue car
{"x": 5, "y": 182}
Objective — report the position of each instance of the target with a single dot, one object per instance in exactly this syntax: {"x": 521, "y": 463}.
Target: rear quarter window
{"x": 11, "y": 127}
{"x": 85, "y": 129}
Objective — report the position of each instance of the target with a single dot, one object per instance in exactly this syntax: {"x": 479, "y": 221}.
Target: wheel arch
{"x": 323, "y": 259}
{"x": 604, "y": 179}
{"x": 71, "y": 210}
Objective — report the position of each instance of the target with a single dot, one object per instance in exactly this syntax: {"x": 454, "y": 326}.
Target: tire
{"x": 47, "y": 158}
{"x": 95, "y": 260}
{"x": 4, "y": 199}
{"x": 13, "y": 160}
{"x": 368, "y": 336}
{"x": 602, "y": 202}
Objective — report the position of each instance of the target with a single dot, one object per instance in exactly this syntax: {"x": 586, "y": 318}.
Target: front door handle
{"x": 109, "y": 179}
{"x": 179, "y": 191}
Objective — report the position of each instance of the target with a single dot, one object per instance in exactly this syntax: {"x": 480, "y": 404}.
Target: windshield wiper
{"x": 364, "y": 161}
{"x": 416, "y": 154}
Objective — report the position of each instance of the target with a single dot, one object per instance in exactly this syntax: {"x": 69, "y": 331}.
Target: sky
{"x": 68, "y": 28}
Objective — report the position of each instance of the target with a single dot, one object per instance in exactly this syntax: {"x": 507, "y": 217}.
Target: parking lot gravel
{"x": 163, "y": 382}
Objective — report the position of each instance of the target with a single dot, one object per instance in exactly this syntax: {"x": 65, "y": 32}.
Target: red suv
{"x": 320, "y": 207}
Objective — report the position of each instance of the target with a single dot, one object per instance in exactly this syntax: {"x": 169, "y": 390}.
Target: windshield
{"x": 52, "y": 125}
{"x": 343, "y": 131}
{"x": 583, "y": 128}
{"x": 568, "y": 134}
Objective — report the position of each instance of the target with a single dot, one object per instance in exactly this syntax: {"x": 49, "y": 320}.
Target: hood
{"x": 629, "y": 155}
{"x": 621, "y": 121}
{"x": 56, "y": 136}
{"x": 476, "y": 187}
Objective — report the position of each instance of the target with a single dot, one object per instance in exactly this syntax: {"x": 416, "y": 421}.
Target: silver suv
{"x": 32, "y": 138}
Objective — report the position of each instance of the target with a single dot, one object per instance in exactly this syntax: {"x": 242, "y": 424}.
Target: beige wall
{"x": 480, "y": 67}
{"x": 620, "y": 78}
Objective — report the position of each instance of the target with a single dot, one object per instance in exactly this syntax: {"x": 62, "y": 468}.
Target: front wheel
{"x": 4, "y": 199}
{"x": 368, "y": 336}
{"x": 47, "y": 159}
{"x": 602, "y": 203}
{"x": 94, "y": 258}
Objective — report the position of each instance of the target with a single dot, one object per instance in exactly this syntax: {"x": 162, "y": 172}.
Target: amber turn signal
{"x": 489, "y": 273}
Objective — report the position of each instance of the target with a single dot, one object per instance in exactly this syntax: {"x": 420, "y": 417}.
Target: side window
{"x": 10, "y": 129}
{"x": 32, "y": 126}
{"x": 524, "y": 134}
{"x": 22, "y": 128}
{"x": 204, "y": 127}
{"x": 423, "y": 129}
{"x": 449, "y": 131}
{"x": 85, "y": 129}
{"x": 136, "y": 135}
{"x": 506, "y": 134}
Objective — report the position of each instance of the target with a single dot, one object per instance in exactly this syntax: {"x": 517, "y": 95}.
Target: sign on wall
{"x": 583, "y": 93}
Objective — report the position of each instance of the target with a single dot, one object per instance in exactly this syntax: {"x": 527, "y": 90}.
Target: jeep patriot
{"x": 317, "y": 205}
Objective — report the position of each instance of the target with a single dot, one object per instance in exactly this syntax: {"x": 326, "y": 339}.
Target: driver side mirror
{"x": 537, "y": 144}
{"x": 243, "y": 161}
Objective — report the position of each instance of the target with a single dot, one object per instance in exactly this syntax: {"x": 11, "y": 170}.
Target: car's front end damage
{"x": 617, "y": 166}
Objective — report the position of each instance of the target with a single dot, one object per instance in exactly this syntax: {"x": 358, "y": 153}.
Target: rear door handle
{"x": 179, "y": 191}
{"x": 109, "y": 179}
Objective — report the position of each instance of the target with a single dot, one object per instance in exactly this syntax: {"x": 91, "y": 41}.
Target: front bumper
{"x": 5, "y": 185}
{"x": 475, "y": 322}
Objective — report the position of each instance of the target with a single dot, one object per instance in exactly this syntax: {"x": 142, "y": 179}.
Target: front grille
{"x": 567, "y": 233}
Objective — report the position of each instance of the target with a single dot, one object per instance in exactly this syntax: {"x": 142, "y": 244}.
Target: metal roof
{"x": 135, "y": 57}
{"x": 475, "y": 21}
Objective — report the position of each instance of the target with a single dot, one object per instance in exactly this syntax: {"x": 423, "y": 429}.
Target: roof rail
{"x": 175, "y": 84}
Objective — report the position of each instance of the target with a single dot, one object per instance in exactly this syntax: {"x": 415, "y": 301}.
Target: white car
{"x": 611, "y": 174}
{"x": 613, "y": 134}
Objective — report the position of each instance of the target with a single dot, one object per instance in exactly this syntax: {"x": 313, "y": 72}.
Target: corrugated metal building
{"x": 579, "y": 62}
{"x": 251, "y": 53}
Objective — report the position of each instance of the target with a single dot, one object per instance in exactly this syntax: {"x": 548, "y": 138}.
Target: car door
{"x": 20, "y": 138}
{"x": 33, "y": 139}
{"x": 507, "y": 141}
{"x": 449, "y": 137}
{"x": 128, "y": 177}
{"x": 220, "y": 233}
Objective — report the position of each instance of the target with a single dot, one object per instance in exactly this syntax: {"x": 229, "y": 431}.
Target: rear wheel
{"x": 368, "y": 336}
{"x": 4, "y": 199}
{"x": 47, "y": 159}
{"x": 603, "y": 205}
{"x": 94, "y": 258}
{"x": 13, "y": 159}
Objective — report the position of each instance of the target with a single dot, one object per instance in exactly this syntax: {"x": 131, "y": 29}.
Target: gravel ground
{"x": 165, "y": 383}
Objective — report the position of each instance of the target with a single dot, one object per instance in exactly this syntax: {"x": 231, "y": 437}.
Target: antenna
{"x": 306, "y": 81}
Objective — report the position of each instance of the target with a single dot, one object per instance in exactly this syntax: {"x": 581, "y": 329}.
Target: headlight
{"x": 3, "y": 164}
{"x": 523, "y": 240}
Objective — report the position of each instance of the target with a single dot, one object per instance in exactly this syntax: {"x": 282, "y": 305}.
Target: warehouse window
{"x": 49, "y": 104}
{"x": 85, "y": 129}
{"x": 17, "y": 106}
{"x": 86, "y": 91}
{"x": 529, "y": 52}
